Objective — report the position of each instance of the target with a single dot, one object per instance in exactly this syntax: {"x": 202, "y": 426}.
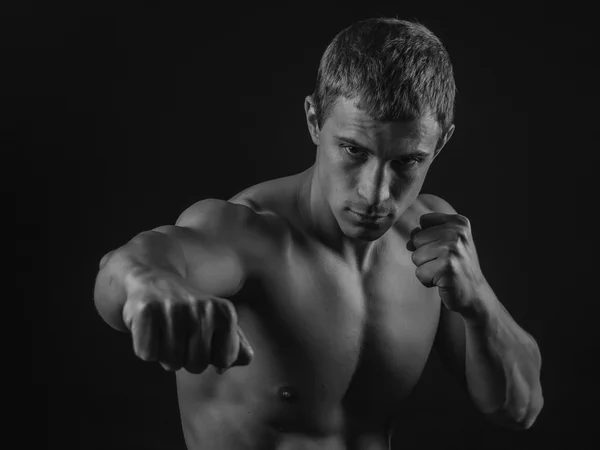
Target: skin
{"x": 355, "y": 277}
{"x": 327, "y": 326}
{"x": 366, "y": 166}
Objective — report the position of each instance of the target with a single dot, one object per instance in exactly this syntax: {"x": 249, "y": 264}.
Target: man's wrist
{"x": 483, "y": 308}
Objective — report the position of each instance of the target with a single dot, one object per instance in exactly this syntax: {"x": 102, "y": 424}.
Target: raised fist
{"x": 176, "y": 325}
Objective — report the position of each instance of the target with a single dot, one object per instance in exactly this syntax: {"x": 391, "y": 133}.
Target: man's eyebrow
{"x": 352, "y": 142}
{"x": 355, "y": 143}
{"x": 417, "y": 153}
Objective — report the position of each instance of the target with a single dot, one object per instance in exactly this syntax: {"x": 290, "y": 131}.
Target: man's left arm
{"x": 477, "y": 338}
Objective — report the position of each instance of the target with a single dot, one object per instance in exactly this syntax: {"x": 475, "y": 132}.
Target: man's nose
{"x": 374, "y": 185}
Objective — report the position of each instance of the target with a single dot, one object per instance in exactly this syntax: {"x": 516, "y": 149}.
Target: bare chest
{"x": 334, "y": 337}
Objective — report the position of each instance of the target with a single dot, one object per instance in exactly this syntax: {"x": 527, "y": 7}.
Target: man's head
{"x": 385, "y": 92}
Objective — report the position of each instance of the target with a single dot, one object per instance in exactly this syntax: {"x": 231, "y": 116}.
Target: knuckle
{"x": 196, "y": 309}
{"x": 176, "y": 312}
{"x": 142, "y": 306}
{"x": 451, "y": 234}
{"x": 203, "y": 308}
{"x": 132, "y": 310}
{"x": 452, "y": 248}
{"x": 144, "y": 355}
{"x": 168, "y": 304}
{"x": 419, "y": 273}
{"x": 228, "y": 310}
{"x": 452, "y": 266}
{"x": 462, "y": 220}
{"x": 127, "y": 316}
{"x": 146, "y": 307}
{"x": 414, "y": 258}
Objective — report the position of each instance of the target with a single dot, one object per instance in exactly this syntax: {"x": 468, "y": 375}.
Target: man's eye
{"x": 409, "y": 162}
{"x": 354, "y": 151}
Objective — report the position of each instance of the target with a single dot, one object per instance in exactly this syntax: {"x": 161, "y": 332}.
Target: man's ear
{"x": 443, "y": 141}
{"x": 311, "y": 119}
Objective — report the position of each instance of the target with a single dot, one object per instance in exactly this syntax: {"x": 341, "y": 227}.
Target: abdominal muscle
{"x": 221, "y": 426}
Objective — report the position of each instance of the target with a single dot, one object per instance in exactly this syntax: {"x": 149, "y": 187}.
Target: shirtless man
{"x": 323, "y": 293}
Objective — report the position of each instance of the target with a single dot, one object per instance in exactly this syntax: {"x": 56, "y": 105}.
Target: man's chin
{"x": 362, "y": 233}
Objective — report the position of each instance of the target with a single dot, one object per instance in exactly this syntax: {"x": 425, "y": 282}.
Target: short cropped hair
{"x": 394, "y": 70}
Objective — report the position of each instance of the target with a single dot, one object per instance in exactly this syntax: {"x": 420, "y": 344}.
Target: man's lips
{"x": 372, "y": 217}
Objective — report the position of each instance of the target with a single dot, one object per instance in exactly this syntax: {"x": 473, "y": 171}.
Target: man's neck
{"x": 319, "y": 221}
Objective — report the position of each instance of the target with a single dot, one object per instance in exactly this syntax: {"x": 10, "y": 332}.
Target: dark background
{"x": 116, "y": 118}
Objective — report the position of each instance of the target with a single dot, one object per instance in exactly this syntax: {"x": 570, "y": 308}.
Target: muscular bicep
{"x": 450, "y": 343}
{"x": 208, "y": 234}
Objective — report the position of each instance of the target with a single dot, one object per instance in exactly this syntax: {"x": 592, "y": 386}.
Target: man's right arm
{"x": 181, "y": 249}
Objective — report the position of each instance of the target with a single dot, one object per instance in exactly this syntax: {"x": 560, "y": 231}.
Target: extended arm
{"x": 176, "y": 249}
{"x": 169, "y": 287}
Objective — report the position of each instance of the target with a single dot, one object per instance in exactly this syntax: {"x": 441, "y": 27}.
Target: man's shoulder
{"x": 271, "y": 196}
{"x": 213, "y": 214}
{"x": 435, "y": 204}
{"x": 233, "y": 218}
{"x": 274, "y": 200}
{"x": 262, "y": 211}
{"x": 236, "y": 229}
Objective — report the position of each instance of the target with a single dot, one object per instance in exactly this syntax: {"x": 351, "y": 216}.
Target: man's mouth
{"x": 368, "y": 217}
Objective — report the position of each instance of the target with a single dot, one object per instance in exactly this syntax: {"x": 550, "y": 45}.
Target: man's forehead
{"x": 347, "y": 116}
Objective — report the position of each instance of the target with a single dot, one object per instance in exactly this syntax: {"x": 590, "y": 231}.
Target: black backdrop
{"x": 119, "y": 117}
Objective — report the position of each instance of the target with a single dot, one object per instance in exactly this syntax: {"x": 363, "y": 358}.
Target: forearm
{"x": 503, "y": 365}
{"x": 147, "y": 250}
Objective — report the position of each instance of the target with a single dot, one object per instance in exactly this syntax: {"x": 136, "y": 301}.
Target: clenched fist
{"x": 174, "y": 324}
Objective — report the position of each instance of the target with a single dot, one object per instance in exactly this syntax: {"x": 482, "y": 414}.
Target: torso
{"x": 336, "y": 350}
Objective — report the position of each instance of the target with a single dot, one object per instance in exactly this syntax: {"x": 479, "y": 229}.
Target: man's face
{"x": 368, "y": 167}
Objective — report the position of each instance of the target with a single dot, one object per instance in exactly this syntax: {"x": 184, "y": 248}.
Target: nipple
{"x": 288, "y": 393}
